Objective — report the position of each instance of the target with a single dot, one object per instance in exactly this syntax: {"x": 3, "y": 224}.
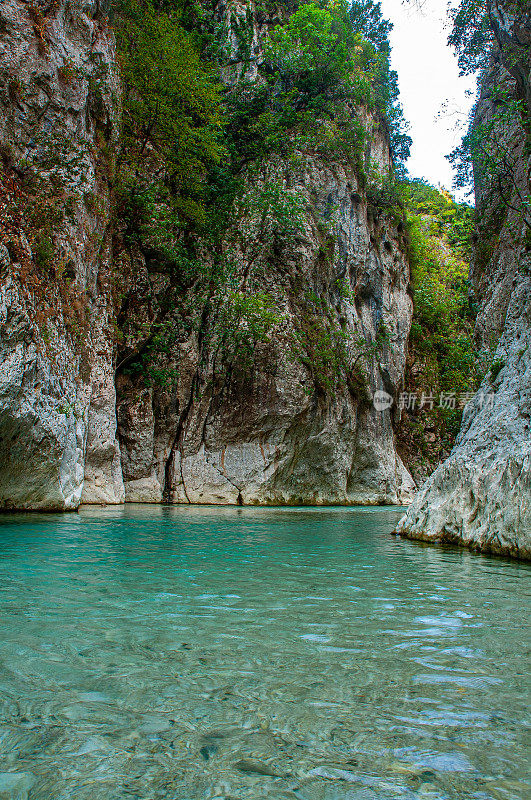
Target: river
{"x": 195, "y": 652}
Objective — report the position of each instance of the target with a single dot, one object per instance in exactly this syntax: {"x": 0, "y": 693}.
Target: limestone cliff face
{"x": 269, "y": 433}
{"x": 275, "y": 423}
{"x": 59, "y": 95}
{"x": 481, "y": 495}
{"x": 275, "y": 426}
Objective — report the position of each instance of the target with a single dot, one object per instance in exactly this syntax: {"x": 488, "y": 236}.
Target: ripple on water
{"x": 186, "y": 653}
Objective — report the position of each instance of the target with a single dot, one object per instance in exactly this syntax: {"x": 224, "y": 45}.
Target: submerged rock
{"x": 15, "y": 785}
{"x": 248, "y": 765}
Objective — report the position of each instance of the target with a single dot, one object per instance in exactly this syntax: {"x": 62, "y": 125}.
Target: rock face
{"x": 272, "y": 433}
{"x": 272, "y": 424}
{"x": 59, "y": 94}
{"x": 481, "y": 495}
{"x": 279, "y": 424}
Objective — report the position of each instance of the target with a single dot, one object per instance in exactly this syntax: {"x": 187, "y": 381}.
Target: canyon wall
{"x": 59, "y": 99}
{"x": 281, "y": 425}
{"x": 285, "y": 418}
{"x": 481, "y": 495}
{"x": 281, "y": 429}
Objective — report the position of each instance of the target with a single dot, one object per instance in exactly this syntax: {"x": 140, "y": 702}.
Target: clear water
{"x": 186, "y": 653}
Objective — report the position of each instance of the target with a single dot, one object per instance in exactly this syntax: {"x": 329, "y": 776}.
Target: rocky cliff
{"x": 281, "y": 428}
{"x": 258, "y": 394}
{"x": 59, "y": 94}
{"x": 481, "y": 495}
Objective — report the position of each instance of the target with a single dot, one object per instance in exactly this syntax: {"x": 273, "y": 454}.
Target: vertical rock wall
{"x": 481, "y": 495}
{"x": 270, "y": 431}
{"x": 266, "y": 432}
{"x": 269, "y": 435}
{"x": 59, "y": 104}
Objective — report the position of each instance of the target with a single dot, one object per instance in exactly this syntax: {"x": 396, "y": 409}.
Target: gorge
{"x": 251, "y": 371}
{"x": 205, "y": 285}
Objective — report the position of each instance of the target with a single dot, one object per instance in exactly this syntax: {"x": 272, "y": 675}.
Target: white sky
{"x": 428, "y": 78}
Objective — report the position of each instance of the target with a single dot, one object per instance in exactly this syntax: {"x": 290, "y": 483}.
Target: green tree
{"x": 366, "y": 17}
{"x": 187, "y": 192}
{"x": 172, "y": 108}
{"x": 443, "y": 357}
{"x": 439, "y": 244}
{"x": 337, "y": 53}
{"x": 319, "y": 66}
{"x": 491, "y": 37}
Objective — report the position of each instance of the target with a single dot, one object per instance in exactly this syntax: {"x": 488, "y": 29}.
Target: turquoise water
{"x": 185, "y": 653}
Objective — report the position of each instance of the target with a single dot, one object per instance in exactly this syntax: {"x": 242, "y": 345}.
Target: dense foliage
{"x": 366, "y": 18}
{"x": 487, "y": 36}
{"x": 172, "y": 112}
{"x": 490, "y": 39}
{"x": 191, "y": 145}
{"x": 439, "y": 243}
{"x": 443, "y": 359}
{"x": 323, "y": 63}
{"x": 477, "y": 28}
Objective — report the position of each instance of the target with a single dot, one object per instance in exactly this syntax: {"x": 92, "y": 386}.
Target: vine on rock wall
{"x": 197, "y": 196}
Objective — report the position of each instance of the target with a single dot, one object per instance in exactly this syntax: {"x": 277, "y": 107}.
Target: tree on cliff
{"x": 493, "y": 37}
{"x": 499, "y": 29}
{"x": 172, "y": 107}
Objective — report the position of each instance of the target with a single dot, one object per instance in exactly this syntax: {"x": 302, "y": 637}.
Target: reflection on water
{"x": 185, "y": 653}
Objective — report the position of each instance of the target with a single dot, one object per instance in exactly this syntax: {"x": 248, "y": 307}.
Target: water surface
{"x": 184, "y": 653}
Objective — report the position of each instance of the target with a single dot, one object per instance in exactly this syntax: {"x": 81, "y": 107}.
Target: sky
{"x": 432, "y": 94}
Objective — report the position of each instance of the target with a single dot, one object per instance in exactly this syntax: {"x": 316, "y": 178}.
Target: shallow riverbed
{"x": 185, "y": 653}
